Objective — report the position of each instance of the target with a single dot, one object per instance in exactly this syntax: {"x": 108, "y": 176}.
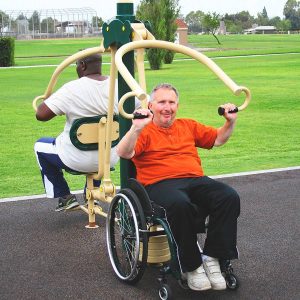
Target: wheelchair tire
{"x": 165, "y": 292}
{"x": 127, "y": 236}
{"x": 231, "y": 282}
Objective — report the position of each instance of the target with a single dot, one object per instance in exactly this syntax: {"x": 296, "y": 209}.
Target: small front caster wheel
{"x": 231, "y": 281}
{"x": 165, "y": 292}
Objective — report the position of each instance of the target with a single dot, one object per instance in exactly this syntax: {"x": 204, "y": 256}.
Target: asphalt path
{"x": 50, "y": 255}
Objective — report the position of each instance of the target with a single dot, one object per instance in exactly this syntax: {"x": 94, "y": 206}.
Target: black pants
{"x": 188, "y": 201}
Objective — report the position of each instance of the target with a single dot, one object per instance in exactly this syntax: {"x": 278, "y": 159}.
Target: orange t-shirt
{"x": 164, "y": 153}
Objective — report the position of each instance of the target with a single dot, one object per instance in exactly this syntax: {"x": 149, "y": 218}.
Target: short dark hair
{"x": 90, "y": 59}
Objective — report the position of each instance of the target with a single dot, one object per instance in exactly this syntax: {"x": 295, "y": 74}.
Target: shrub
{"x": 7, "y": 51}
{"x": 155, "y": 57}
{"x": 169, "y": 56}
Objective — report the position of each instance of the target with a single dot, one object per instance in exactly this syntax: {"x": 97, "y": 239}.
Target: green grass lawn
{"x": 266, "y": 136}
{"x": 29, "y": 48}
{"x": 246, "y": 44}
{"x": 38, "y": 52}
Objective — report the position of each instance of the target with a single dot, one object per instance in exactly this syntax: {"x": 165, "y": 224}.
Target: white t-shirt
{"x": 83, "y": 97}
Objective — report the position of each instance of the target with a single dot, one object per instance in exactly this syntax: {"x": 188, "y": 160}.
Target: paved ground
{"x": 49, "y": 255}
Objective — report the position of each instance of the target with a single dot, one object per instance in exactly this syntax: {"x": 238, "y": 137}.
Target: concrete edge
{"x": 31, "y": 197}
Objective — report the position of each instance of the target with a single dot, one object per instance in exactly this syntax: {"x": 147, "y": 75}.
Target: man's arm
{"x": 44, "y": 113}
{"x": 226, "y": 130}
{"x": 125, "y": 147}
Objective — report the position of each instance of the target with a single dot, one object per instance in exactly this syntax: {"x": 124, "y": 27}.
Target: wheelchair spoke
{"x": 130, "y": 251}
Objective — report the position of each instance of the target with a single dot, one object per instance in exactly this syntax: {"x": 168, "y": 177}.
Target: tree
{"x": 22, "y": 24}
{"x": 171, "y": 12}
{"x": 274, "y": 21}
{"x": 151, "y": 11}
{"x": 235, "y": 23}
{"x": 233, "y": 26}
{"x": 211, "y": 23}
{"x": 262, "y": 18}
{"x": 264, "y": 13}
{"x": 291, "y": 12}
{"x": 4, "y": 21}
{"x": 34, "y": 21}
{"x": 48, "y": 25}
{"x": 97, "y": 22}
{"x": 245, "y": 18}
{"x": 21, "y": 17}
{"x": 161, "y": 14}
{"x": 194, "y": 21}
{"x": 284, "y": 25}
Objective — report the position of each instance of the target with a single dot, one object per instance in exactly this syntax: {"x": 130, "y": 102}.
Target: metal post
{"x": 117, "y": 33}
{"x": 125, "y": 11}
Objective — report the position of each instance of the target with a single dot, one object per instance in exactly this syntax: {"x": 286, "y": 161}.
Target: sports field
{"x": 267, "y": 134}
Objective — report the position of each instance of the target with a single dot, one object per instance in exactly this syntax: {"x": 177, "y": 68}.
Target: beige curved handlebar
{"x": 141, "y": 94}
{"x": 121, "y": 102}
{"x": 71, "y": 59}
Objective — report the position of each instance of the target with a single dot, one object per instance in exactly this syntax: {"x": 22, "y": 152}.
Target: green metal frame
{"x": 172, "y": 246}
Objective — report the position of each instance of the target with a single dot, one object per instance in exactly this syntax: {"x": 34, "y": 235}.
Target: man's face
{"x": 164, "y": 107}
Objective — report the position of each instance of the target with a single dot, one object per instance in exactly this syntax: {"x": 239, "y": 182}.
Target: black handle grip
{"x": 221, "y": 111}
{"x": 137, "y": 115}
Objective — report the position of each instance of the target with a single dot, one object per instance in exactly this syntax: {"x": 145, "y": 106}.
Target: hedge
{"x": 7, "y": 51}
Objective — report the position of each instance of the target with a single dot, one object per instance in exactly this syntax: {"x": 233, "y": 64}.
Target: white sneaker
{"x": 212, "y": 268}
{"x": 197, "y": 280}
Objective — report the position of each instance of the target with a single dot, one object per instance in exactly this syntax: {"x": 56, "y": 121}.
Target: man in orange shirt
{"x": 164, "y": 151}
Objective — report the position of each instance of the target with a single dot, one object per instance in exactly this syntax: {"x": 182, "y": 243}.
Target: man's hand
{"x": 125, "y": 147}
{"x": 226, "y": 130}
{"x": 229, "y": 111}
{"x": 140, "y": 122}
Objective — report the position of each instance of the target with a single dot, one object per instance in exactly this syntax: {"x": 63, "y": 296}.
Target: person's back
{"x": 80, "y": 98}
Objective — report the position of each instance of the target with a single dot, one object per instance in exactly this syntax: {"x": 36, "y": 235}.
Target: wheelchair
{"x": 131, "y": 240}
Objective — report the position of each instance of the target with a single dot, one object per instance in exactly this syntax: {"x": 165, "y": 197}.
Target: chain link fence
{"x": 49, "y": 23}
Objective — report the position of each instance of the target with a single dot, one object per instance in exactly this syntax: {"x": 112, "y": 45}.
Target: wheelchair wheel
{"x": 165, "y": 292}
{"x": 231, "y": 282}
{"x": 127, "y": 237}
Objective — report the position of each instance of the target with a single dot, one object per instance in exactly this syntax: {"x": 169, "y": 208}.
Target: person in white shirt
{"x": 83, "y": 97}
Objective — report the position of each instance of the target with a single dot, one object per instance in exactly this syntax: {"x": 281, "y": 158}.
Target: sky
{"x": 106, "y": 9}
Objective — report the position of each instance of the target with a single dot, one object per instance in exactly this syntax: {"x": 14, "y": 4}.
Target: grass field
{"x": 267, "y": 134}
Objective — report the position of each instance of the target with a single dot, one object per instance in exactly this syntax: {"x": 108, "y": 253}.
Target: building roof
{"x": 265, "y": 28}
{"x": 261, "y": 28}
{"x": 180, "y": 23}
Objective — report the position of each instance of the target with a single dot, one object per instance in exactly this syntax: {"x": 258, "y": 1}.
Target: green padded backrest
{"x": 84, "y": 132}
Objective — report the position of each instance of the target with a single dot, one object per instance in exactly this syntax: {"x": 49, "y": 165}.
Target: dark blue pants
{"x": 52, "y": 168}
